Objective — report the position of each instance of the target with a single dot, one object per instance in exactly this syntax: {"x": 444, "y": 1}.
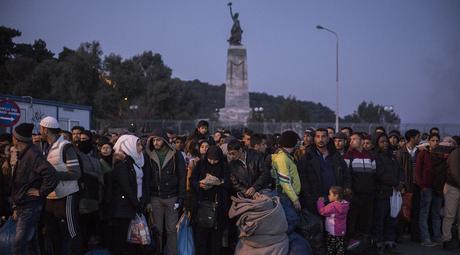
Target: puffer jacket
{"x": 168, "y": 180}
{"x": 251, "y": 173}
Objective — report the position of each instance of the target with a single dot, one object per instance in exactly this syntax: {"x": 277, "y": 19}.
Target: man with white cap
{"x": 61, "y": 209}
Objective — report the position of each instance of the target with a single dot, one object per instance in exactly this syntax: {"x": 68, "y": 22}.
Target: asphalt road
{"x": 415, "y": 248}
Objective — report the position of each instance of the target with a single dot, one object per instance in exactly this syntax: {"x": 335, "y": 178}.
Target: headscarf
{"x": 214, "y": 153}
{"x": 128, "y": 145}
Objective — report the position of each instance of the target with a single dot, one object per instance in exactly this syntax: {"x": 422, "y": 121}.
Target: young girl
{"x": 336, "y": 220}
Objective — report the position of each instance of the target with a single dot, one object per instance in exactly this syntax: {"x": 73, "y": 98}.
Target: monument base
{"x": 234, "y": 116}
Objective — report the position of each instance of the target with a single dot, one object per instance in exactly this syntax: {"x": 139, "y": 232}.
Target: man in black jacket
{"x": 33, "y": 179}
{"x": 167, "y": 185}
{"x": 248, "y": 172}
{"x": 319, "y": 169}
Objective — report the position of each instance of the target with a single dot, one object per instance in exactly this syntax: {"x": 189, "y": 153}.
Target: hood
{"x": 153, "y": 155}
{"x": 149, "y": 146}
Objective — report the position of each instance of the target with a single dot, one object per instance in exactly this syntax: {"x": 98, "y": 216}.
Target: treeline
{"x": 113, "y": 85}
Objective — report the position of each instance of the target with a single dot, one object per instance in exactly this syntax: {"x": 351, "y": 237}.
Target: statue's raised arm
{"x": 231, "y": 11}
{"x": 236, "y": 32}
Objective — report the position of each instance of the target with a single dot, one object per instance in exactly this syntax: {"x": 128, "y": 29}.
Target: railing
{"x": 187, "y": 126}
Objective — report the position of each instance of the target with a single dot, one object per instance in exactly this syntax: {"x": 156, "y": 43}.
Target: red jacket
{"x": 424, "y": 172}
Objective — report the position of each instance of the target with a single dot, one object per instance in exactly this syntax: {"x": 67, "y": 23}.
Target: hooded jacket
{"x": 169, "y": 179}
{"x": 336, "y": 216}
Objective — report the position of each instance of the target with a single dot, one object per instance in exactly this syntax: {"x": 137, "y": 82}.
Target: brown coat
{"x": 453, "y": 168}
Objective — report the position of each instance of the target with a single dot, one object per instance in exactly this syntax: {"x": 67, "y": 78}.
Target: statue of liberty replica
{"x": 236, "y": 110}
{"x": 236, "y": 32}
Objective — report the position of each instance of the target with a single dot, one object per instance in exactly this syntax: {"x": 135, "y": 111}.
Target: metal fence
{"x": 185, "y": 127}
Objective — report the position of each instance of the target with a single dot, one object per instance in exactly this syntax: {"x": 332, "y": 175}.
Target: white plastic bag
{"x": 138, "y": 231}
{"x": 395, "y": 203}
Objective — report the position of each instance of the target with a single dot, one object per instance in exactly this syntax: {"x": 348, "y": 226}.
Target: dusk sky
{"x": 392, "y": 52}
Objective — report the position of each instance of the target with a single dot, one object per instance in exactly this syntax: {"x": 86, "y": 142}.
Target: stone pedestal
{"x": 236, "y": 111}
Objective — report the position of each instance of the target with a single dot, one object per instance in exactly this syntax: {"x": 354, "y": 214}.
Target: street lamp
{"x": 386, "y": 108}
{"x": 336, "y": 76}
{"x": 258, "y": 113}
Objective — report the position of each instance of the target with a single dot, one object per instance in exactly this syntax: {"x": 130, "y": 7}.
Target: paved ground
{"x": 414, "y": 248}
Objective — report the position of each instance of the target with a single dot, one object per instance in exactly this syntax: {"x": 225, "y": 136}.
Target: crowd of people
{"x": 71, "y": 192}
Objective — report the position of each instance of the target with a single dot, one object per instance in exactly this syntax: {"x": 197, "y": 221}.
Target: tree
{"x": 112, "y": 84}
{"x": 370, "y": 113}
{"x": 291, "y": 110}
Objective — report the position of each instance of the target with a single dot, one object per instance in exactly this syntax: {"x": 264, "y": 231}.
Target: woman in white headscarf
{"x": 130, "y": 193}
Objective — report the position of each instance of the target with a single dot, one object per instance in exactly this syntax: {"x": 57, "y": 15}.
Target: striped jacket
{"x": 362, "y": 169}
{"x": 286, "y": 175}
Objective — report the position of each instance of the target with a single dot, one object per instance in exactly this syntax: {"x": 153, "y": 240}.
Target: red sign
{"x": 9, "y": 113}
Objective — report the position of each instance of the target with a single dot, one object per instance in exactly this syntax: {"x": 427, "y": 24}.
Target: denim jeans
{"x": 430, "y": 202}
{"x": 26, "y": 238}
{"x": 292, "y": 216}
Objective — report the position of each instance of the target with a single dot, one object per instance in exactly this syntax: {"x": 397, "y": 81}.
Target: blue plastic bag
{"x": 185, "y": 244}
{"x": 298, "y": 245}
{"x": 7, "y": 233}
{"x": 98, "y": 252}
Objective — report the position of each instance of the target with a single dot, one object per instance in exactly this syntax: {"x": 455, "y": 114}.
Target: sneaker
{"x": 392, "y": 248}
{"x": 353, "y": 244}
{"x": 428, "y": 243}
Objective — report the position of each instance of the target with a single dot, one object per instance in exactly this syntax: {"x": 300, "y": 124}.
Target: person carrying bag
{"x": 210, "y": 182}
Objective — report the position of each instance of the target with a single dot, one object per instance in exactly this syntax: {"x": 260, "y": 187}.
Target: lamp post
{"x": 337, "y": 74}
{"x": 134, "y": 108}
{"x": 259, "y": 113}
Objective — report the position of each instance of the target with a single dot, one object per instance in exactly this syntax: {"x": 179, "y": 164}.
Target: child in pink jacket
{"x": 336, "y": 220}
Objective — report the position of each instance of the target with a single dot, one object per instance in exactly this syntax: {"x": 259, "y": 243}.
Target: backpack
{"x": 90, "y": 182}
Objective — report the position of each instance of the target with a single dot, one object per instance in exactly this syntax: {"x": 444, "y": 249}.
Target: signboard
{"x": 9, "y": 113}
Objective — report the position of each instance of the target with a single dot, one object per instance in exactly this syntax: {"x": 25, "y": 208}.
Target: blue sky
{"x": 392, "y": 52}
